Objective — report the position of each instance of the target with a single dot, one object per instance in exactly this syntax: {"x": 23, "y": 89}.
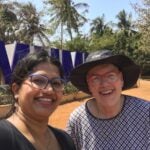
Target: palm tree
{"x": 30, "y": 26}
{"x": 126, "y": 37}
{"x": 143, "y": 23}
{"x": 124, "y": 22}
{"x": 64, "y": 13}
{"x": 8, "y": 21}
{"x": 99, "y": 27}
{"x": 73, "y": 19}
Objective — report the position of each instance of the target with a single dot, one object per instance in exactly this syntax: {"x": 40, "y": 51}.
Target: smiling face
{"x": 34, "y": 102}
{"x": 105, "y": 83}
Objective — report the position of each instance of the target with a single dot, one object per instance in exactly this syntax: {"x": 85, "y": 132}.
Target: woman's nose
{"x": 48, "y": 88}
{"x": 104, "y": 81}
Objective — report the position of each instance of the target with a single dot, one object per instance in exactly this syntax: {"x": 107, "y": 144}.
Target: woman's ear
{"x": 122, "y": 80}
{"x": 15, "y": 90}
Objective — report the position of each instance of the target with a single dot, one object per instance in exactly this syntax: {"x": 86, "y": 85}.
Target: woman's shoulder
{"x": 78, "y": 111}
{"x": 57, "y": 131}
{"x": 63, "y": 138}
{"x": 137, "y": 100}
{"x": 4, "y": 126}
{"x": 137, "y": 104}
{"x": 5, "y": 135}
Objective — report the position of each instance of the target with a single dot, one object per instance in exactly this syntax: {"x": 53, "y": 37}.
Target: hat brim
{"x": 129, "y": 69}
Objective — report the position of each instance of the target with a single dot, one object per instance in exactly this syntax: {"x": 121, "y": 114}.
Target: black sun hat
{"x": 129, "y": 69}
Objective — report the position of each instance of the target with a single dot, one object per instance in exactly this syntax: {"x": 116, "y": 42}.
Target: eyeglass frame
{"x": 49, "y": 81}
{"x": 101, "y": 78}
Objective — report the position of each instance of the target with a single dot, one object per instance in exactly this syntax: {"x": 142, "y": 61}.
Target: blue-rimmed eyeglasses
{"x": 41, "y": 82}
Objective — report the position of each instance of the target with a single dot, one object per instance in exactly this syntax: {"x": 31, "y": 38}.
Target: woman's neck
{"x": 25, "y": 123}
{"x": 38, "y": 133}
{"x": 103, "y": 112}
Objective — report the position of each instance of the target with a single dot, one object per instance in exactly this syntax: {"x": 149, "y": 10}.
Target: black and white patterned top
{"x": 129, "y": 130}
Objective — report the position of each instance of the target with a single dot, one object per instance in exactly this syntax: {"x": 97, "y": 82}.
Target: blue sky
{"x": 110, "y": 8}
{"x": 97, "y": 7}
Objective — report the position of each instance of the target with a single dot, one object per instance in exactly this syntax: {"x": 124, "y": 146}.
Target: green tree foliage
{"x": 8, "y": 20}
{"x": 21, "y": 22}
{"x": 79, "y": 43}
{"x": 126, "y": 38}
{"x": 102, "y": 36}
{"x": 98, "y": 27}
{"x": 64, "y": 14}
{"x": 29, "y": 26}
{"x": 143, "y": 59}
{"x": 124, "y": 20}
{"x": 106, "y": 41}
{"x": 143, "y": 24}
{"x": 126, "y": 43}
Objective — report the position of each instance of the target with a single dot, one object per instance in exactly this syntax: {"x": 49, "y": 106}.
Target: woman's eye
{"x": 95, "y": 79}
{"x": 38, "y": 81}
{"x": 112, "y": 76}
{"x": 56, "y": 83}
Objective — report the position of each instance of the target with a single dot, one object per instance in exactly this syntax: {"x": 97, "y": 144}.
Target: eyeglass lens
{"x": 41, "y": 82}
{"x": 97, "y": 79}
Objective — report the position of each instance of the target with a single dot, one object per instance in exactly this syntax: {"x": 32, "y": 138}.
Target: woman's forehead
{"x": 103, "y": 68}
{"x": 48, "y": 67}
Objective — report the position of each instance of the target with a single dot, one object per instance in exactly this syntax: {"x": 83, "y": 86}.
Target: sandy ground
{"x": 60, "y": 116}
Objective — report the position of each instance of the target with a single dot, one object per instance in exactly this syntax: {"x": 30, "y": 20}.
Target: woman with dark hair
{"x": 37, "y": 85}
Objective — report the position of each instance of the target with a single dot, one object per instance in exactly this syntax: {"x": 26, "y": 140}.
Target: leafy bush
{"x": 6, "y": 96}
{"x": 71, "y": 93}
{"x": 69, "y": 88}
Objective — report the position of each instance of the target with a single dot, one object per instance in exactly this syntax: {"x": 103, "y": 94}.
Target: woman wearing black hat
{"x": 110, "y": 120}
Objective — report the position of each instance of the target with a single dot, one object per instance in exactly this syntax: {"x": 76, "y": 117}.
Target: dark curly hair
{"x": 25, "y": 66}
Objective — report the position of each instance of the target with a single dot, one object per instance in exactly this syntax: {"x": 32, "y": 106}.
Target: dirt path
{"x": 60, "y": 116}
